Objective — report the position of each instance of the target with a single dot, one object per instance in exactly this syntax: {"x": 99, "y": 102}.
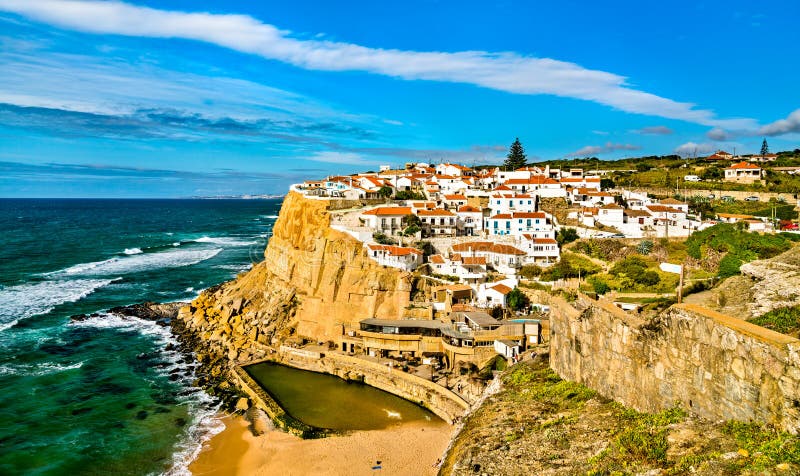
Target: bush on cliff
{"x": 740, "y": 246}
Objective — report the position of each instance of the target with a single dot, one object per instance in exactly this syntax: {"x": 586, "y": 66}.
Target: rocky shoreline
{"x": 212, "y": 368}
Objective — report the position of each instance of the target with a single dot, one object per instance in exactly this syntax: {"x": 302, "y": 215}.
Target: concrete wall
{"x": 714, "y": 365}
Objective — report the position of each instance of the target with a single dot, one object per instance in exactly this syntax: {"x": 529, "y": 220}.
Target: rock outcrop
{"x": 775, "y": 282}
{"x": 314, "y": 283}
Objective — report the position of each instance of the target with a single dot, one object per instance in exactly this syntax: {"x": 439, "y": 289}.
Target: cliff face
{"x": 314, "y": 281}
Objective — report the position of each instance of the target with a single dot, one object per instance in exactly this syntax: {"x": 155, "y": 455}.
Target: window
{"x": 528, "y": 223}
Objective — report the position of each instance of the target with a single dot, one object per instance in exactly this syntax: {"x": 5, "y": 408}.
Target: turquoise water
{"x": 326, "y": 401}
{"x": 103, "y": 396}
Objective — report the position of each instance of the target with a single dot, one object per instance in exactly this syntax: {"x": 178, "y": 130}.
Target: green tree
{"x": 607, "y": 183}
{"x": 566, "y": 235}
{"x": 385, "y": 191}
{"x": 516, "y": 157}
{"x": 764, "y": 147}
{"x": 517, "y": 300}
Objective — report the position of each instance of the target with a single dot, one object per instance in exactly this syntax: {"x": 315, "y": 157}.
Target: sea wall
{"x": 313, "y": 283}
{"x": 445, "y": 404}
{"x": 714, "y": 365}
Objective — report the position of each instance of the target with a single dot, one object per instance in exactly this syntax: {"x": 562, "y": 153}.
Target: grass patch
{"x": 767, "y": 446}
{"x": 546, "y": 386}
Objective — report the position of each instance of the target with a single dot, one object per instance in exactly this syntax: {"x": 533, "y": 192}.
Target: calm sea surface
{"x": 98, "y": 396}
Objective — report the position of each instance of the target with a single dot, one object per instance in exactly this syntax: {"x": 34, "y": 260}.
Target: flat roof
{"x": 480, "y": 318}
{"x": 404, "y": 323}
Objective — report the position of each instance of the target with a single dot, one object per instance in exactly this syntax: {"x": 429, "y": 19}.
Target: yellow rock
{"x": 783, "y": 467}
{"x": 743, "y": 452}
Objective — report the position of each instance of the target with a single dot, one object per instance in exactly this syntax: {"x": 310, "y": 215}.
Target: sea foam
{"x": 225, "y": 241}
{"x": 141, "y": 262}
{"x": 27, "y": 300}
{"x": 203, "y": 408}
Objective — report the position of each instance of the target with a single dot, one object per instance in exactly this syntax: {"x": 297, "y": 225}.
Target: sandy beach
{"x": 403, "y": 449}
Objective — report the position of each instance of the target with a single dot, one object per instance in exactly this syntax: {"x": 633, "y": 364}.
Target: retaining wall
{"x": 714, "y": 365}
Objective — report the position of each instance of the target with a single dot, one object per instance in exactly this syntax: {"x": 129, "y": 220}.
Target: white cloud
{"x": 719, "y": 134}
{"x": 782, "y": 126}
{"x": 510, "y": 72}
{"x": 655, "y": 130}
{"x": 693, "y": 149}
{"x": 602, "y": 149}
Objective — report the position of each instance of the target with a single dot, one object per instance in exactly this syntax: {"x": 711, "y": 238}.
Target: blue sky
{"x": 166, "y": 98}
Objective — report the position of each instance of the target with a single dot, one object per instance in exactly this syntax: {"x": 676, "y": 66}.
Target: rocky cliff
{"x": 315, "y": 282}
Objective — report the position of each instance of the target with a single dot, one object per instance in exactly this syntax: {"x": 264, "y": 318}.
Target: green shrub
{"x": 784, "y": 320}
{"x": 729, "y": 265}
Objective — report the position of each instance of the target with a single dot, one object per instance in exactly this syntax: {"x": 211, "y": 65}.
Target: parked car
{"x": 617, "y": 235}
{"x": 728, "y": 199}
{"x": 711, "y": 196}
{"x": 691, "y": 178}
{"x": 751, "y": 198}
{"x": 789, "y": 226}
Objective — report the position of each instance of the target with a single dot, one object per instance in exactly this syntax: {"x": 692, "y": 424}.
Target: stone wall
{"x": 714, "y": 365}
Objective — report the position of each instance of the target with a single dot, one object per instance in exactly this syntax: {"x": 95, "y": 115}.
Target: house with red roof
{"x": 437, "y": 222}
{"x": 743, "y": 172}
{"x": 402, "y": 257}
{"x": 387, "y": 220}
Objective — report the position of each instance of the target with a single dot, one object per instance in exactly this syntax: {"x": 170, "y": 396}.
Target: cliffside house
{"x": 743, "y": 172}
{"x": 469, "y": 269}
{"x": 387, "y": 220}
{"x": 405, "y": 258}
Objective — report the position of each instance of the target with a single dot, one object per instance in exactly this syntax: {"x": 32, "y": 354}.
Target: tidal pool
{"x": 326, "y": 401}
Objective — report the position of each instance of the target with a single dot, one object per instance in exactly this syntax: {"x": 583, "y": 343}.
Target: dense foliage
{"x": 566, "y": 235}
{"x": 785, "y": 320}
{"x": 408, "y": 195}
{"x": 740, "y": 246}
{"x": 635, "y": 268}
{"x": 517, "y": 300}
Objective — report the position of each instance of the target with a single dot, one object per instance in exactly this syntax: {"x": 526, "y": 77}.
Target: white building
{"x": 387, "y": 220}
{"x": 470, "y": 220}
{"x": 540, "y": 251}
{"x": 401, "y": 257}
{"x": 517, "y": 223}
{"x": 438, "y": 222}
{"x": 509, "y": 202}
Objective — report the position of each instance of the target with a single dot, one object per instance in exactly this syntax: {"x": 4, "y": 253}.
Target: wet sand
{"x": 403, "y": 449}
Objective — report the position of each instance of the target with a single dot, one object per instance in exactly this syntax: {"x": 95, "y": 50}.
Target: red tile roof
{"x": 383, "y": 211}
{"x": 745, "y": 165}
{"x": 501, "y": 288}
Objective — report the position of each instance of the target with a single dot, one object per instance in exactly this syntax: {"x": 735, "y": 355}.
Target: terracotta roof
{"x": 501, "y": 288}
{"x": 637, "y": 213}
{"x": 510, "y": 216}
{"x": 502, "y": 188}
{"x": 436, "y": 212}
{"x": 506, "y": 250}
{"x": 590, "y": 210}
{"x": 534, "y": 180}
{"x": 745, "y": 165}
{"x": 612, "y": 206}
{"x": 467, "y": 209}
{"x": 671, "y": 201}
{"x": 438, "y": 259}
{"x": 395, "y": 250}
{"x": 487, "y": 246}
{"x": 545, "y": 241}
{"x": 474, "y": 260}
{"x": 662, "y": 208}
{"x": 456, "y": 196}
{"x": 383, "y": 211}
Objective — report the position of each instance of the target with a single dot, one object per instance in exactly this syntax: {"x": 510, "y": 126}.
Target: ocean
{"x": 109, "y": 395}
